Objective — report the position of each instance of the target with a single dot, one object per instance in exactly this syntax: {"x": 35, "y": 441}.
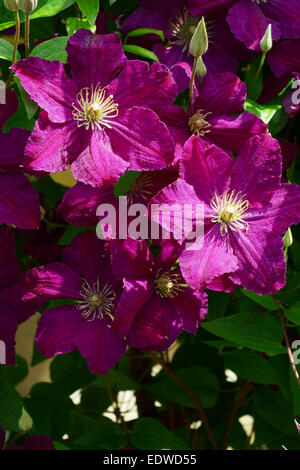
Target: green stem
{"x": 16, "y": 43}
{"x": 262, "y": 61}
{"x": 192, "y": 80}
{"x": 27, "y": 33}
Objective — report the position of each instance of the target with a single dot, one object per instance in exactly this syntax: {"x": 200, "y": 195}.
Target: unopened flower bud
{"x": 288, "y": 239}
{"x": 266, "y": 41}
{"x": 28, "y": 5}
{"x": 25, "y": 422}
{"x": 199, "y": 41}
{"x": 200, "y": 68}
{"x": 11, "y": 5}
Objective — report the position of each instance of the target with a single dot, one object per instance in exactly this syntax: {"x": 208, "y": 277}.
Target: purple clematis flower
{"x": 13, "y": 310}
{"x": 35, "y": 442}
{"x": 103, "y": 119}
{"x": 19, "y": 203}
{"x": 284, "y": 57}
{"x": 86, "y": 278}
{"x": 217, "y": 115}
{"x": 178, "y": 25}
{"x": 80, "y": 202}
{"x": 156, "y": 303}
{"x": 249, "y": 19}
{"x": 247, "y": 209}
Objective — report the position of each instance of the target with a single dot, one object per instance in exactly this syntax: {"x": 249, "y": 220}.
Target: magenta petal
{"x": 257, "y": 167}
{"x": 231, "y": 132}
{"x": 57, "y": 330}
{"x": 249, "y": 24}
{"x": 95, "y": 58}
{"x": 141, "y": 85}
{"x": 151, "y": 325}
{"x": 287, "y": 17}
{"x": 131, "y": 258}
{"x": 223, "y": 93}
{"x": 47, "y": 148}
{"x": 192, "y": 308}
{"x": 261, "y": 261}
{"x": 9, "y": 263}
{"x": 284, "y": 57}
{"x": 98, "y": 164}
{"x": 135, "y": 294}
{"x": 12, "y": 148}
{"x": 9, "y": 108}
{"x": 52, "y": 281}
{"x": 199, "y": 7}
{"x": 47, "y": 83}
{"x": 101, "y": 347}
{"x": 19, "y": 203}
{"x": 80, "y": 203}
{"x": 142, "y": 140}
{"x": 200, "y": 267}
{"x": 205, "y": 167}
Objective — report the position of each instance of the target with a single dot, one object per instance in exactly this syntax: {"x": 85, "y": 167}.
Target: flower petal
{"x": 9, "y": 263}
{"x": 131, "y": 258}
{"x": 47, "y": 83}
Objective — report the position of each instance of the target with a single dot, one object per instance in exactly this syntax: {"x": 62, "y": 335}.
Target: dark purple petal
{"x": 287, "y": 17}
{"x": 47, "y": 83}
{"x": 80, "y": 203}
{"x": 36, "y": 442}
{"x": 142, "y": 140}
{"x": 132, "y": 258}
{"x": 284, "y": 57}
{"x": 289, "y": 151}
{"x": 95, "y": 58}
{"x": 19, "y": 203}
{"x": 9, "y": 108}
{"x": 135, "y": 294}
{"x": 8, "y": 328}
{"x": 199, "y": 7}
{"x": 9, "y": 264}
{"x": 52, "y": 281}
{"x": 192, "y": 308}
{"x": 248, "y": 23}
{"x": 12, "y": 149}
{"x": 141, "y": 85}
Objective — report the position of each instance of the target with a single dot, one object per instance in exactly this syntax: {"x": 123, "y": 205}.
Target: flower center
{"x": 96, "y": 301}
{"x": 167, "y": 285}
{"x": 94, "y": 109}
{"x": 183, "y": 28}
{"x": 140, "y": 187}
{"x": 258, "y": 1}
{"x": 229, "y": 211}
{"x": 198, "y": 125}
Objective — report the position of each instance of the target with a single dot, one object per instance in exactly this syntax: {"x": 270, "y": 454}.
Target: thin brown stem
{"x": 27, "y": 34}
{"x": 16, "y": 43}
{"x": 290, "y": 354}
{"x": 192, "y": 81}
{"x": 191, "y": 395}
{"x": 238, "y": 402}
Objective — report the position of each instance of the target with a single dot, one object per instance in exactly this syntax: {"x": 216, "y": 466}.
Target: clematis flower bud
{"x": 288, "y": 239}
{"x": 28, "y": 5}
{"x": 266, "y": 41}
{"x": 11, "y": 5}
{"x": 199, "y": 41}
{"x": 25, "y": 422}
{"x": 200, "y": 68}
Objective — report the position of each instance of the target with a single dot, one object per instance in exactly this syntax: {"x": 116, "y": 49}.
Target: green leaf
{"x": 254, "y": 85}
{"x": 60, "y": 446}
{"x": 14, "y": 374}
{"x": 295, "y": 391}
{"x": 201, "y": 381}
{"x": 293, "y": 313}
{"x": 151, "y": 434}
{"x": 44, "y": 9}
{"x": 6, "y": 50}
{"x": 140, "y": 51}
{"x": 249, "y": 365}
{"x": 90, "y": 9}
{"x": 20, "y": 118}
{"x": 265, "y": 113}
{"x": 30, "y": 106}
{"x": 74, "y": 23}
{"x": 125, "y": 182}
{"x": 255, "y": 331}
{"x": 70, "y": 372}
{"x": 70, "y": 233}
{"x": 118, "y": 381}
{"x": 108, "y": 436}
{"x": 265, "y": 301}
{"x": 11, "y": 405}
{"x": 143, "y": 31}
{"x": 217, "y": 304}
{"x": 53, "y": 49}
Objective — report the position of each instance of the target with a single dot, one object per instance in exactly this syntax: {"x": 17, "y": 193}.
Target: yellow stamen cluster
{"x": 93, "y": 109}
{"x": 198, "y": 125}
{"x": 167, "y": 285}
{"x": 229, "y": 211}
{"x": 96, "y": 301}
{"x": 140, "y": 187}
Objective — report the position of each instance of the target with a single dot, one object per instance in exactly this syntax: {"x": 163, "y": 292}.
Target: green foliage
{"x": 151, "y": 434}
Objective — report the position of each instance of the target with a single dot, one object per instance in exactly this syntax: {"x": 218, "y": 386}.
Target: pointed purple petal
{"x": 9, "y": 263}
